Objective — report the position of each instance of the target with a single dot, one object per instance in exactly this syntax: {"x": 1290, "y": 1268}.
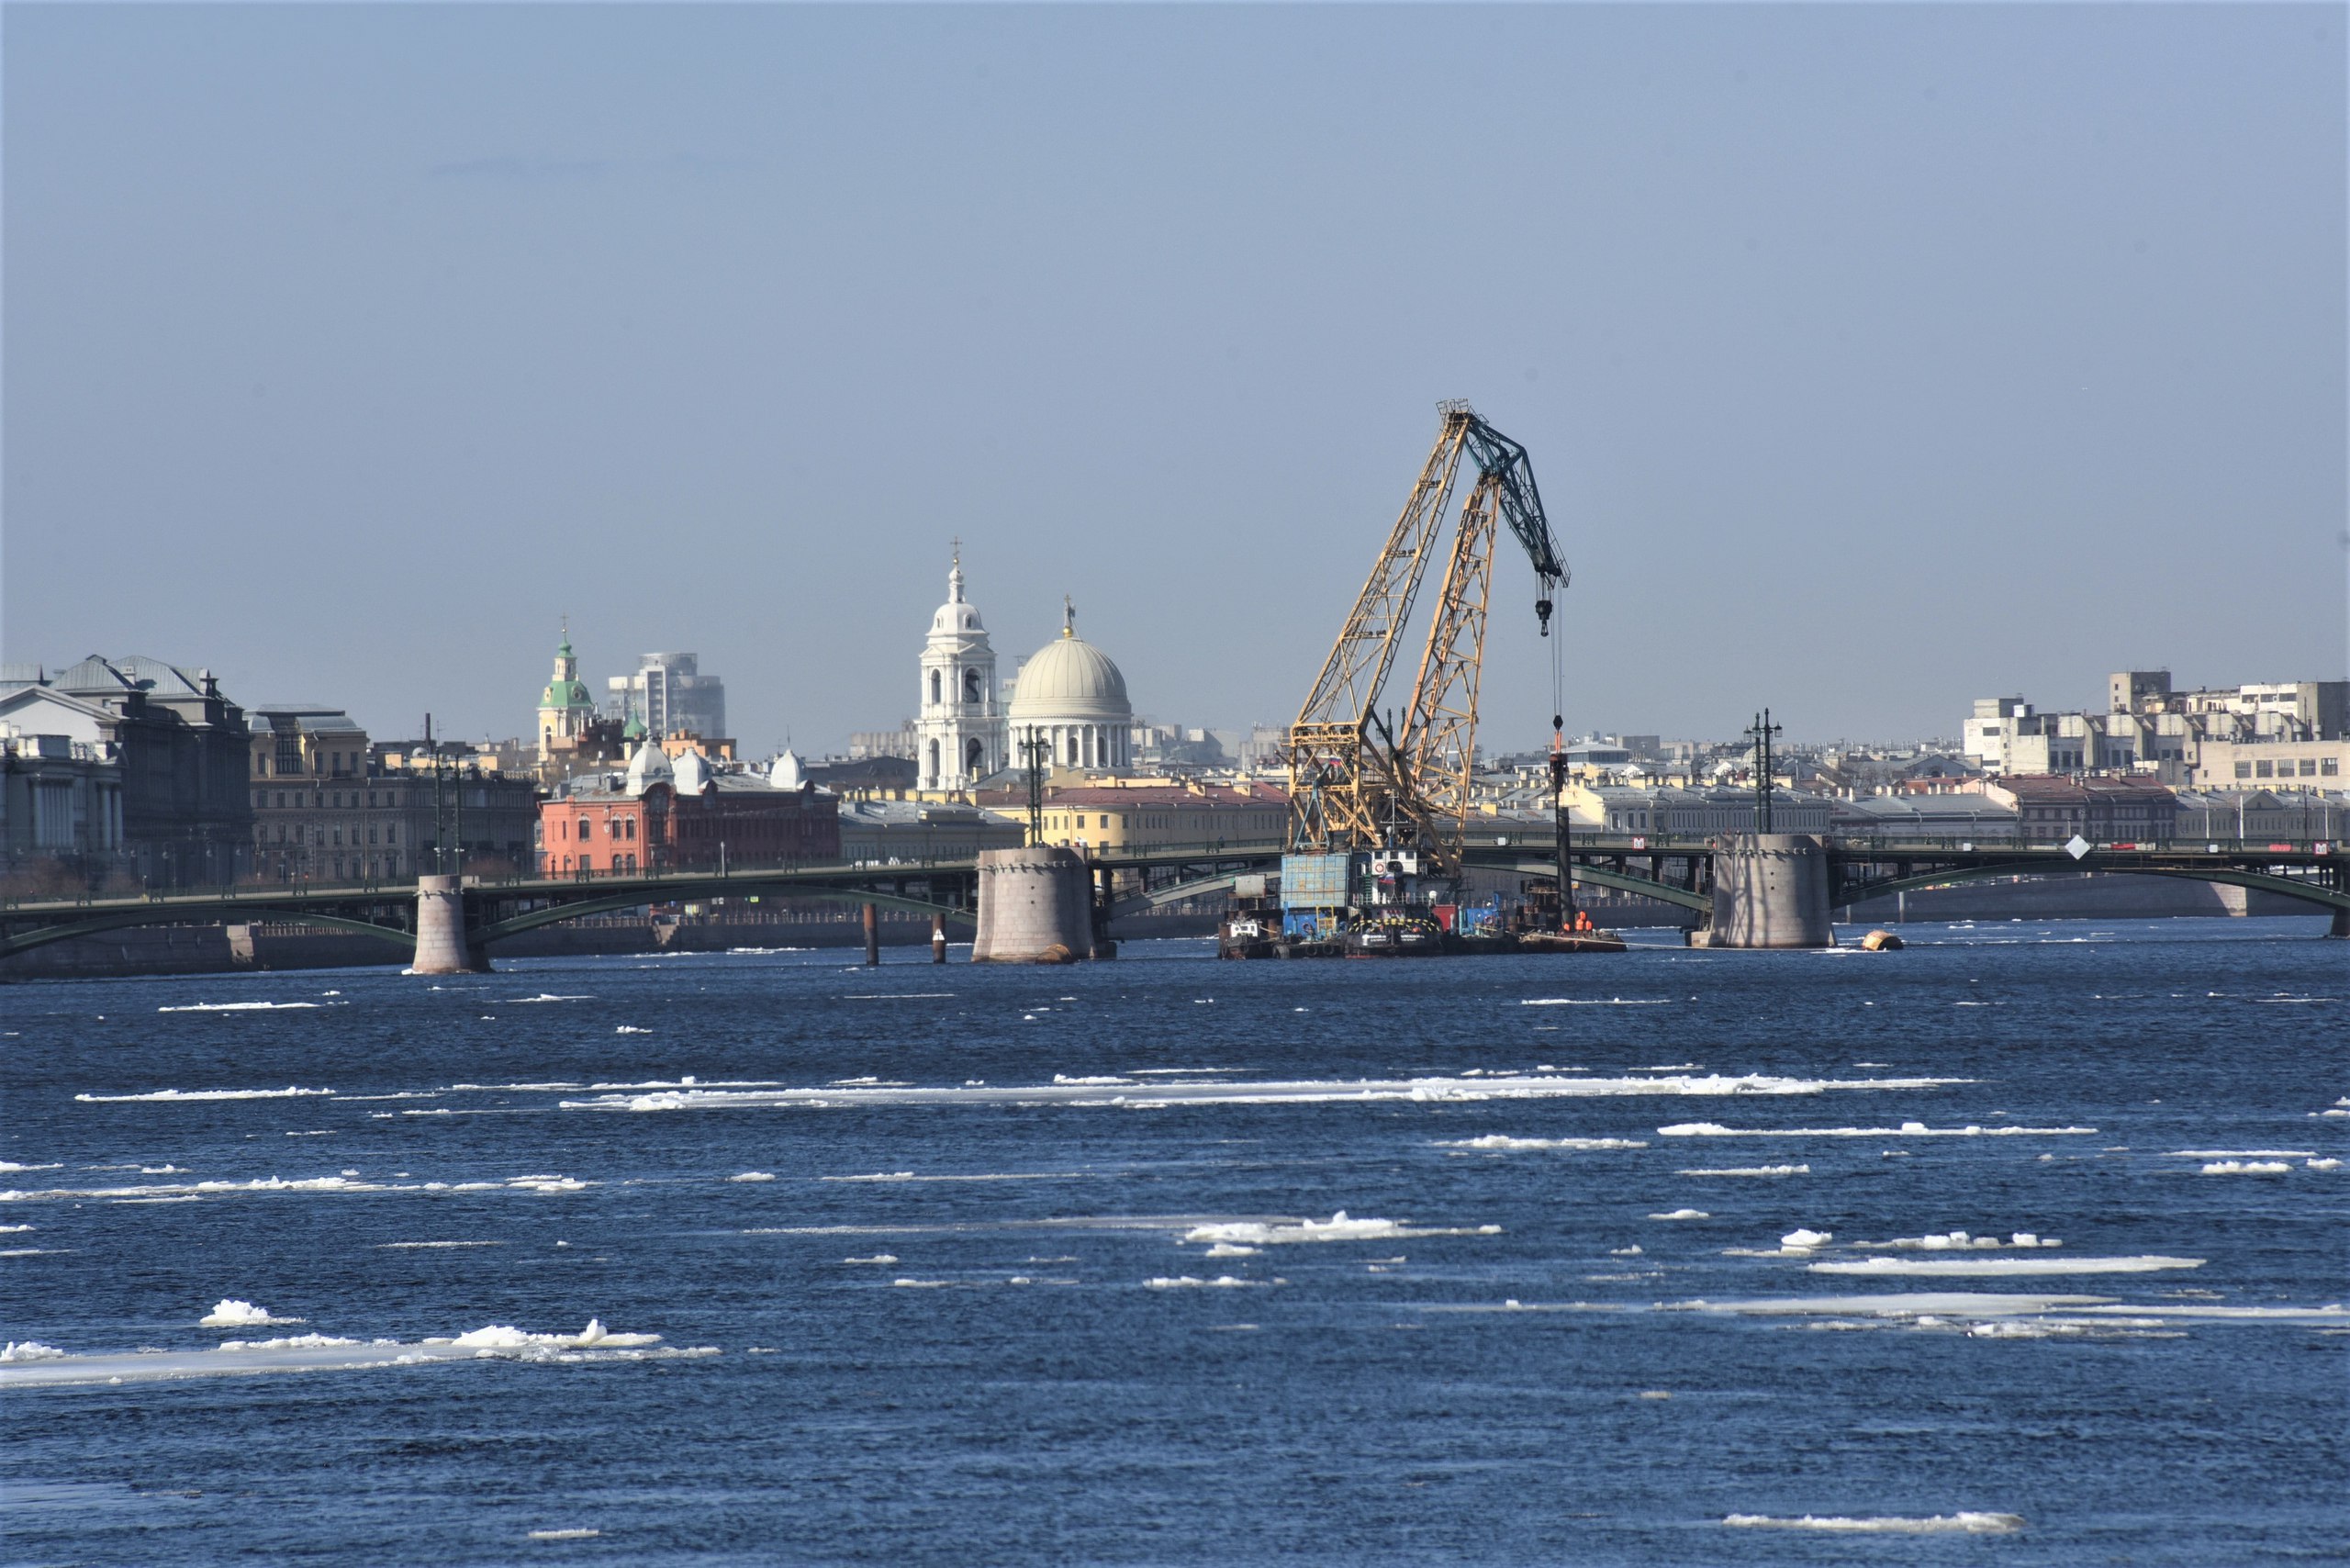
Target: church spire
{"x": 954, "y": 575}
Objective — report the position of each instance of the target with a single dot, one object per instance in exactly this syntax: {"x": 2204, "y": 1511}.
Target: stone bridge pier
{"x": 1035, "y": 907}
{"x": 1771, "y": 891}
{"x": 443, "y": 943}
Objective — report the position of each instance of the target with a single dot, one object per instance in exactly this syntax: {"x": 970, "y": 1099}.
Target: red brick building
{"x": 686, "y": 815}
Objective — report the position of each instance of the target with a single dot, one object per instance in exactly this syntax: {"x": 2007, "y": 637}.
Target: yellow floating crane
{"x": 1358, "y": 780}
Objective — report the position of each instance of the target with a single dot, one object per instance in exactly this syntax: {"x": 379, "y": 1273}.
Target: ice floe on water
{"x": 1339, "y": 1227}
{"x": 1462, "y": 1088}
{"x": 1190, "y": 1282}
{"x": 583, "y": 1533}
{"x": 192, "y": 1192}
{"x": 1966, "y": 1523}
{"x": 2149, "y": 1264}
{"x": 1596, "y": 1002}
{"x": 166, "y": 1096}
{"x": 241, "y": 1006}
{"x": 754, "y": 1176}
{"x": 1907, "y": 1129}
{"x": 2241, "y": 1153}
{"x": 325, "y": 1352}
{"x": 876, "y": 1258}
{"x": 1503, "y": 1141}
{"x": 2246, "y": 1168}
{"x": 543, "y": 996}
{"x": 1751, "y": 1171}
{"x": 1959, "y": 1240}
{"x": 19, "y": 1350}
{"x": 233, "y": 1312}
{"x": 2322, "y": 1164}
{"x": 10, "y": 1167}
{"x": 1682, "y": 1214}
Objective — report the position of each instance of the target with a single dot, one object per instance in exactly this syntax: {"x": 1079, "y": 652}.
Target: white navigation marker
{"x": 2077, "y": 847}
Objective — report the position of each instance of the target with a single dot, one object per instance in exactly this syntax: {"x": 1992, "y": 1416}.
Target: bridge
{"x": 1678, "y": 871}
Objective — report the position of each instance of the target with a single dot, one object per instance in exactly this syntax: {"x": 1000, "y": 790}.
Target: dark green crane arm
{"x": 1502, "y": 461}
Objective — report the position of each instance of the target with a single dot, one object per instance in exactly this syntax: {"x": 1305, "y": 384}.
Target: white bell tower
{"x": 959, "y": 736}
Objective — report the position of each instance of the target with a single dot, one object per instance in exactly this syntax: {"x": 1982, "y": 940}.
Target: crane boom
{"x": 1349, "y": 791}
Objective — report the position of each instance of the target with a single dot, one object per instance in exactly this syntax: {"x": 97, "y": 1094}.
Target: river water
{"x": 1641, "y": 1260}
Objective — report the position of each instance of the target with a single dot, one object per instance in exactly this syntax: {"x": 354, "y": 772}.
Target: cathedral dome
{"x": 1071, "y": 677}
{"x": 1073, "y": 698}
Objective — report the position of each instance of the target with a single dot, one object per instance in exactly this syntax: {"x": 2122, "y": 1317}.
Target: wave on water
{"x": 166, "y": 1096}
{"x": 1935, "y": 1524}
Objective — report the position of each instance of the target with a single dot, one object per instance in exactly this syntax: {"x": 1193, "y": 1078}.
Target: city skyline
{"x": 1872, "y": 362}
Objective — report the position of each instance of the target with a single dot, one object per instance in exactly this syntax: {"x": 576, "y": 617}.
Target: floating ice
{"x": 234, "y": 1314}
{"x": 1596, "y": 1002}
{"x": 10, "y": 1165}
{"x": 1935, "y": 1524}
{"x": 1751, "y": 1171}
{"x": 241, "y": 1006}
{"x": 322, "y": 1352}
{"x": 1682, "y": 1213}
{"x": 876, "y": 1258}
{"x": 1337, "y": 1227}
{"x": 2246, "y": 1168}
{"x": 629, "y": 1029}
{"x": 753, "y": 1176}
{"x": 1503, "y": 1141}
{"x": 1189, "y": 1282}
{"x": 1229, "y": 1249}
{"x": 576, "y": 1534}
{"x": 2241, "y": 1153}
{"x": 1463, "y": 1087}
{"x": 543, "y": 996}
{"x": 1958, "y": 1240}
{"x": 1064, "y": 1078}
{"x": 877, "y": 1176}
{"x": 1944, "y": 1267}
{"x": 172, "y": 1094}
{"x": 2322, "y": 1164}
{"x": 1631, "y": 1252}
{"x": 1907, "y": 1129}
{"x": 31, "y": 1350}
{"x": 1806, "y": 1240}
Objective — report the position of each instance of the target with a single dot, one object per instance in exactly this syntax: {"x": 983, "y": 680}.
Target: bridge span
{"x": 1678, "y": 871}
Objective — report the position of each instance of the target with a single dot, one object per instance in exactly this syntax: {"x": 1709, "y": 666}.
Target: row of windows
{"x": 2310, "y": 767}
{"x": 620, "y": 828}
{"x": 318, "y": 799}
{"x": 289, "y": 760}
{"x": 320, "y": 835}
{"x": 370, "y": 867}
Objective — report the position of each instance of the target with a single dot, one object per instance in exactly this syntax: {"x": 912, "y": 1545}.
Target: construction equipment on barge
{"x": 1377, "y": 809}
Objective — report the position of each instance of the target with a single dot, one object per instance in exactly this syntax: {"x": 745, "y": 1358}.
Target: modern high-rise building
{"x": 669, "y": 695}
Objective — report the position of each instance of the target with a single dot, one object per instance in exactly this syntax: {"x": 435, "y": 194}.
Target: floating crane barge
{"x": 1378, "y": 808}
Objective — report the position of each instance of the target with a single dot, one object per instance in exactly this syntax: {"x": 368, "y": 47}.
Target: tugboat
{"x": 1579, "y": 936}
{"x": 1253, "y": 929}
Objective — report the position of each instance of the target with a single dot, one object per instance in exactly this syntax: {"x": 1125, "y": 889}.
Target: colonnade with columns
{"x": 1078, "y": 746}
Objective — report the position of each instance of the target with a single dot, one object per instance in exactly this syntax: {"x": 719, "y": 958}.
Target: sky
{"x": 1870, "y": 358}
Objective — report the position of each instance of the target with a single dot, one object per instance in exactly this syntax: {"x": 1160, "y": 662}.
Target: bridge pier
{"x": 2341, "y": 926}
{"x": 1035, "y": 907}
{"x": 444, "y": 945}
{"x": 1771, "y": 891}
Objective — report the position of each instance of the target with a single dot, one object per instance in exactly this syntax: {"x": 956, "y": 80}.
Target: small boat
{"x": 1246, "y": 936}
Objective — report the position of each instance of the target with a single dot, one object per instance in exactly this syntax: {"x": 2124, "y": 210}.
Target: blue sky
{"x": 1872, "y": 358}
